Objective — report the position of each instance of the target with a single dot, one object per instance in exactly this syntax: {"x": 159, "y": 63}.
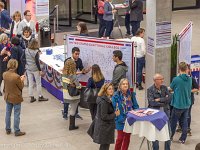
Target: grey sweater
{"x": 32, "y": 60}
{"x": 23, "y": 24}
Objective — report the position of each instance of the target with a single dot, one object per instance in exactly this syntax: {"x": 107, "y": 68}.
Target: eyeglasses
{"x": 28, "y": 15}
{"x": 160, "y": 79}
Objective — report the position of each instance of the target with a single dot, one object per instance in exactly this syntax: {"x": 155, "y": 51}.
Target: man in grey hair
{"x": 159, "y": 98}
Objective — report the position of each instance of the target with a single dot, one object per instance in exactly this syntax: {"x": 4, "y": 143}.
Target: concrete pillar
{"x": 158, "y": 31}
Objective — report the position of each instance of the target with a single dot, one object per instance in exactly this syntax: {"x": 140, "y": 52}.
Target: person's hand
{"x": 157, "y": 99}
{"x": 23, "y": 78}
{"x": 3, "y": 51}
{"x": 114, "y": 11}
{"x": 5, "y": 58}
{"x": 40, "y": 73}
{"x": 117, "y": 112}
{"x": 87, "y": 70}
{"x": 3, "y": 29}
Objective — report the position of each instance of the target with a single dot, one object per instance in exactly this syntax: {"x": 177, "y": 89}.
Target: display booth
{"x": 92, "y": 51}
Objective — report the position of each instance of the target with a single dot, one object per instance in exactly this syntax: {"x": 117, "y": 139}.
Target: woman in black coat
{"x": 102, "y": 129}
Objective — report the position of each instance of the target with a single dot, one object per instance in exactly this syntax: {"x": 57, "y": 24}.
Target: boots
{"x": 72, "y": 123}
{"x": 32, "y": 99}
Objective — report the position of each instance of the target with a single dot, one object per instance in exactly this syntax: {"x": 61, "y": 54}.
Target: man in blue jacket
{"x": 5, "y": 19}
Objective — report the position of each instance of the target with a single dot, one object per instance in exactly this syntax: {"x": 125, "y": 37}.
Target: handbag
{"x": 72, "y": 90}
{"x": 90, "y": 94}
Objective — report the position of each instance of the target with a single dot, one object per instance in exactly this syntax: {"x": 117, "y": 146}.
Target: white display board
{"x": 42, "y": 7}
{"x": 100, "y": 51}
{"x": 185, "y": 44}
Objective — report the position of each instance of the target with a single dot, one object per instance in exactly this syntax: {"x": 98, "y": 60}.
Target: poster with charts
{"x": 42, "y": 7}
{"x": 185, "y": 44}
{"x": 100, "y": 51}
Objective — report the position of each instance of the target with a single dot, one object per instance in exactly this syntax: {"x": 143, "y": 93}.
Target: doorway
{"x": 84, "y": 10}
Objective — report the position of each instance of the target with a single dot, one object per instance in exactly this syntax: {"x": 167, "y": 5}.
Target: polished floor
{"x": 47, "y": 130}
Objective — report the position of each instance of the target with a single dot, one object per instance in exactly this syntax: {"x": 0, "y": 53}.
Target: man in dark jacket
{"x": 136, "y": 14}
{"x": 159, "y": 98}
{"x": 120, "y": 69}
{"x": 5, "y": 19}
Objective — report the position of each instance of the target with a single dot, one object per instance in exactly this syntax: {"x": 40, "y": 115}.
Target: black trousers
{"x": 104, "y": 147}
{"x": 93, "y": 109}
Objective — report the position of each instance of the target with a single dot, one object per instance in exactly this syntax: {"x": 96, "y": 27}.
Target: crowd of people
{"x": 19, "y": 60}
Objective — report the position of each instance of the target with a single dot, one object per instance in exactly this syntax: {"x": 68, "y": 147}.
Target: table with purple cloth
{"x": 153, "y": 127}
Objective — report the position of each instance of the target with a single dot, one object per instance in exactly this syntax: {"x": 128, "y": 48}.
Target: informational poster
{"x": 42, "y": 7}
{"x": 100, "y": 51}
{"x": 163, "y": 34}
{"x": 185, "y": 44}
{"x": 150, "y": 46}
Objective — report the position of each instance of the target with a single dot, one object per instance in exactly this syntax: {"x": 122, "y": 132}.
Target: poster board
{"x": 185, "y": 44}
{"x": 100, "y": 51}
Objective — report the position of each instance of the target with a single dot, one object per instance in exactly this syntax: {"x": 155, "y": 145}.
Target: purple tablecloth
{"x": 158, "y": 119}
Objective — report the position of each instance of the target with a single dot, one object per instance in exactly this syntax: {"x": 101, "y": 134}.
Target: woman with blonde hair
{"x": 14, "y": 25}
{"x": 102, "y": 129}
{"x": 96, "y": 81}
{"x": 123, "y": 101}
{"x": 33, "y": 70}
{"x": 69, "y": 79}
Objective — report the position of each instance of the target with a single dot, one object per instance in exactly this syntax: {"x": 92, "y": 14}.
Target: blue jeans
{"x": 135, "y": 26}
{"x": 179, "y": 114}
{"x": 140, "y": 66}
{"x": 156, "y": 145}
{"x": 127, "y": 24}
{"x": 109, "y": 28}
{"x": 17, "y": 110}
{"x": 102, "y": 25}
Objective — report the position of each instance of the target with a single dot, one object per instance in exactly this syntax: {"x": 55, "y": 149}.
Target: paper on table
{"x": 150, "y": 111}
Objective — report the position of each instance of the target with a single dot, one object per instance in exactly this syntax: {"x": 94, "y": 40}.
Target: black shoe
{"x": 65, "y": 116}
{"x": 20, "y": 133}
{"x": 72, "y": 123}
{"x": 41, "y": 98}
{"x": 32, "y": 99}
{"x": 8, "y": 132}
{"x": 1, "y": 93}
{"x": 78, "y": 116}
{"x": 140, "y": 87}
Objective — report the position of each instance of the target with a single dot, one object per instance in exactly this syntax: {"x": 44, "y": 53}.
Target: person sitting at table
{"x": 123, "y": 101}
{"x": 82, "y": 28}
{"x": 69, "y": 76}
{"x": 79, "y": 70}
{"x": 102, "y": 129}
{"x": 108, "y": 16}
{"x": 33, "y": 70}
{"x": 159, "y": 98}
{"x": 95, "y": 82}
